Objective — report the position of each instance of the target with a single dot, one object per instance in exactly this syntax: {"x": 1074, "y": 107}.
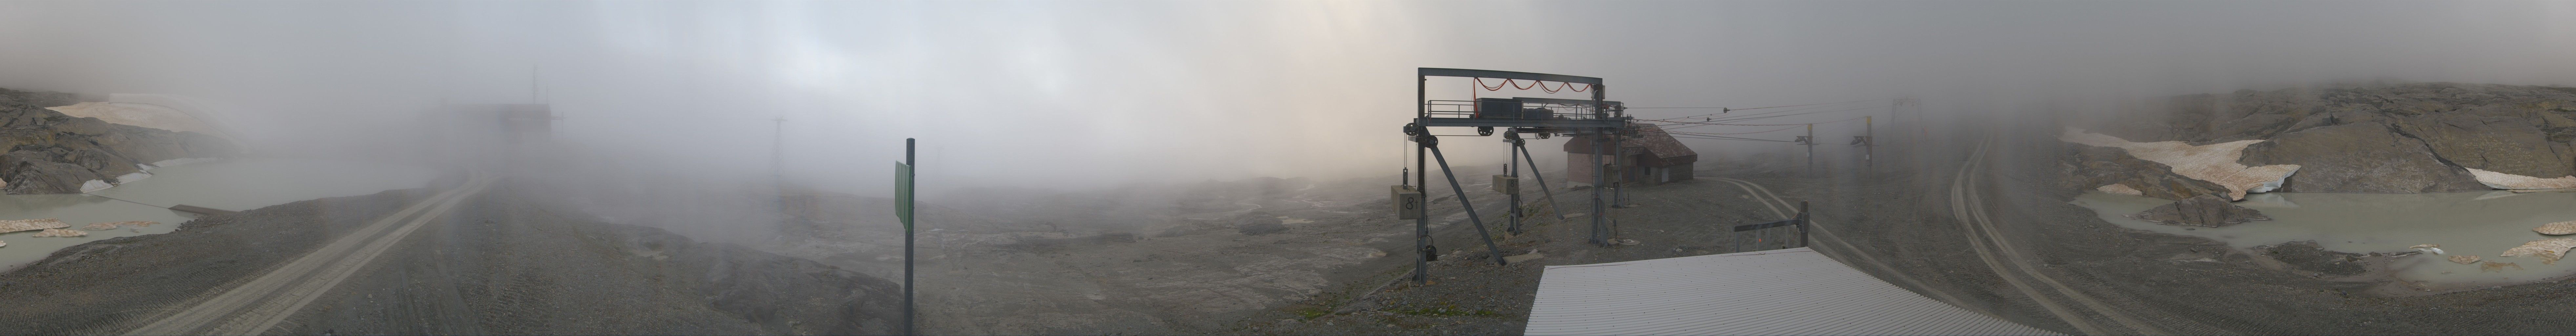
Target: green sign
{"x": 903, "y": 194}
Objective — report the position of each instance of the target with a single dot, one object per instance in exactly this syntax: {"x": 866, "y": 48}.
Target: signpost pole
{"x": 903, "y": 208}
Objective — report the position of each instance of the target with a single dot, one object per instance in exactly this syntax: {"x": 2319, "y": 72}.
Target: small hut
{"x": 1648, "y": 157}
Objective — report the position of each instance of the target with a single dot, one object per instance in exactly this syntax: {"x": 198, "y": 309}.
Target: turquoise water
{"x": 2482, "y": 224}
{"x": 236, "y": 184}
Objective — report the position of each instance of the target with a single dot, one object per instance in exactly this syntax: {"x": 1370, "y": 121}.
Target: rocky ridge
{"x": 43, "y": 151}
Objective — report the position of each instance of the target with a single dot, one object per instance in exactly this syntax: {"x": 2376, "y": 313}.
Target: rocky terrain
{"x": 2350, "y": 137}
{"x": 1212, "y": 257}
{"x": 43, "y": 151}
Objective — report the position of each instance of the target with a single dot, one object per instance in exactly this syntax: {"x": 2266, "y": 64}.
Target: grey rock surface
{"x": 2203, "y": 210}
{"x": 2360, "y": 157}
{"x": 2097, "y": 166}
{"x": 47, "y": 152}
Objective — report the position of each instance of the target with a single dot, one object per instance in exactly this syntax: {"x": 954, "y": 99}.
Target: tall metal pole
{"x": 1600, "y": 168}
{"x": 907, "y": 244}
{"x": 1811, "y": 150}
{"x": 1601, "y": 179}
{"x": 1421, "y": 224}
{"x": 1868, "y": 145}
{"x": 1513, "y": 169}
{"x": 1619, "y": 158}
{"x": 778, "y": 162}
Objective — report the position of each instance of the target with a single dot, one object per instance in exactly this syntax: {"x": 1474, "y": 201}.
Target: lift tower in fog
{"x": 1594, "y": 117}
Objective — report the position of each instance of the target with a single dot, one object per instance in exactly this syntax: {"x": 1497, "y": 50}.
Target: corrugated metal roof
{"x": 1777, "y": 292}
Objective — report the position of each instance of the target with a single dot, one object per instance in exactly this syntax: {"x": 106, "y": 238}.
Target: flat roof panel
{"x": 1778, "y": 292}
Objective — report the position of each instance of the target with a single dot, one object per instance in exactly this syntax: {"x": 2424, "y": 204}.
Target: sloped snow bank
{"x": 2215, "y": 163}
{"x": 2511, "y": 181}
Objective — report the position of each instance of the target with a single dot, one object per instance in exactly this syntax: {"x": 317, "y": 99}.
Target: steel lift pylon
{"x": 1595, "y": 117}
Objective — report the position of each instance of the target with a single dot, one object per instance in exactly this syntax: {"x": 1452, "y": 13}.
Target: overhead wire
{"x": 1756, "y": 108}
{"x": 1816, "y": 106}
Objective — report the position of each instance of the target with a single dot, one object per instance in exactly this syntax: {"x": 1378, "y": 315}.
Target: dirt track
{"x": 255, "y": 306}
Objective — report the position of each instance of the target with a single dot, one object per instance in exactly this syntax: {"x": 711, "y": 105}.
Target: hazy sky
{"x": 1084, "y": 94}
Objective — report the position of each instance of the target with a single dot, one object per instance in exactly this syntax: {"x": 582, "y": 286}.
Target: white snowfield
{"x": 2215, "y": 163}
{"x": 2511, "y": 181}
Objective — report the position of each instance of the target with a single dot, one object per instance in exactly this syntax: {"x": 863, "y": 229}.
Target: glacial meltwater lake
{"x": 231, "y": 184}
{"x": 2479, "y": 223}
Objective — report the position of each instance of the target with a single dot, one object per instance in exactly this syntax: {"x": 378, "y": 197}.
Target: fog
{"x": 1090, "y": 95}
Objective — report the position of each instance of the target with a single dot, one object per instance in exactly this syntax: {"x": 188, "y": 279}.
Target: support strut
{"x": 1542, "y": 182}
{"x": 1431, "y": 142}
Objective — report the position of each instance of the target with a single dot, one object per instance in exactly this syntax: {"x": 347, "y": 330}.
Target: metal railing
{"x": 1768, "y": 235}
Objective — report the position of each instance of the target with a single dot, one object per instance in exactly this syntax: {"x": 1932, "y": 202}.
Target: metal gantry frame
{"x": 1604, "y": 120}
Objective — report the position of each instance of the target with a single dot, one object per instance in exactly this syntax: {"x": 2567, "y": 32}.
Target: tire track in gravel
{"x": 254, "y": 307}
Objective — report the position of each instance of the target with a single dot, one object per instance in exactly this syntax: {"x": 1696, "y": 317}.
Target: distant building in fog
{"x": 1651, "y": 157}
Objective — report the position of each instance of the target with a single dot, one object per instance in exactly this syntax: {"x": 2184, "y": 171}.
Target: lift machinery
{"x": 1512, "y": 117}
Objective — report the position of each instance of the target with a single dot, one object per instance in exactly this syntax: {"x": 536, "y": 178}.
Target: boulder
{"x": 2361, "y": 157}
{"x": 2203, "y": 210}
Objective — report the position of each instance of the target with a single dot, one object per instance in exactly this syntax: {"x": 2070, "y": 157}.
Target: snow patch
{"x": 2215, "y": 163}
{"x": 2511, "y": 181}
{"x": 94, "y": 185}
{"x": 2122, "y": 189}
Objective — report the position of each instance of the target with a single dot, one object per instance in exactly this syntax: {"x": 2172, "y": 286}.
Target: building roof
{"x": 1651, "y": 137}
{"x": 1776, "y": 292}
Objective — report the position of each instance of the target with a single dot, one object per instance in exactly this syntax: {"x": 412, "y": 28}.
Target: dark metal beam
{"x": 1445, "y": 72}
{"x": 1504, "y": 122}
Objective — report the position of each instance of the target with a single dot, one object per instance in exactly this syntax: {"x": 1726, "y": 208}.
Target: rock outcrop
{"x": 2376, "y": 137}
{"x": 2369, "y": 157}
{"x": 48, "y": 152}
{"x": 2203, "y": 210}
{"x": 2214, "y": 163}
{"x": 2112, "y": 169}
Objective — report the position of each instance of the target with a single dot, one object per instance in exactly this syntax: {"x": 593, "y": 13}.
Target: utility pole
{"x": 1868, "y": 142}
{"x": 1810, "y": 142}
{"x": 778, "y": 162}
